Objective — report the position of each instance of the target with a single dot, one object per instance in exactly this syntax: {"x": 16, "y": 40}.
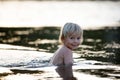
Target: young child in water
{"x": 71, "y": 37}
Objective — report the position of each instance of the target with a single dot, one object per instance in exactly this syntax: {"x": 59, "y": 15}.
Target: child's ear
{"x": 62, "y": 39}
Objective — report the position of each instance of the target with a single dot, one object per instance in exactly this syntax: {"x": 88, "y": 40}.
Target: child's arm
{"x": 69, "y": 73}
{"x": 68, "y": 62}
{"x": 68, "y": 70}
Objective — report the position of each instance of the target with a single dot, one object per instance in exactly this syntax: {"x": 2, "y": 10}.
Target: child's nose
{"x": 75, "y": 40}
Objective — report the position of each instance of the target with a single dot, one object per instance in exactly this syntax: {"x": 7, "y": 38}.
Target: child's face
{"x": 72, "y": 41}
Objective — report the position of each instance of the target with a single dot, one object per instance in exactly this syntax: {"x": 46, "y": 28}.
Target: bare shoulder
{"x": 60, "y": 50}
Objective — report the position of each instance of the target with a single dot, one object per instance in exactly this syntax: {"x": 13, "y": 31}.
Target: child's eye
{"x": 78, "y": 38}
{"x": 71, "y": 37}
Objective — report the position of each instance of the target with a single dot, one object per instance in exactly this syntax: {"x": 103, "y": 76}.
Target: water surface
{"x": 26, "y": 52}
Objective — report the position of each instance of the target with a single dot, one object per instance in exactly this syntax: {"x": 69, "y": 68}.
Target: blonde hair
{"x": 69, "y": 29}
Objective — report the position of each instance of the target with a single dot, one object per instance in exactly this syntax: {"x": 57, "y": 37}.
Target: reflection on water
{"x": 101, "y": 72}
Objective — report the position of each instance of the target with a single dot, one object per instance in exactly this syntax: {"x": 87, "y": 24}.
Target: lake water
{"x": 25, "y": 54}
{"x": 29, "y": 36}
{"x": 56, "y": 13}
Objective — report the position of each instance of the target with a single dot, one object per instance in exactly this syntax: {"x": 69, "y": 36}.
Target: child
{"x": 71, "y": 37}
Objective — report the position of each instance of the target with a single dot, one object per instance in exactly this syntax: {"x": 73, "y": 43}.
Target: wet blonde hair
{"x": 69, "y": 29}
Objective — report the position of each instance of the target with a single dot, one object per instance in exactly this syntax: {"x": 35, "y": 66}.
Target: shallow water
{"x": 34, "y": 65}
{"x": 25, "y": 52}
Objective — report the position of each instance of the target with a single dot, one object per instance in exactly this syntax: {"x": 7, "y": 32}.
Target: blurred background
{"x": 36, "y": 13}
{"x": 37, "y": 23}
